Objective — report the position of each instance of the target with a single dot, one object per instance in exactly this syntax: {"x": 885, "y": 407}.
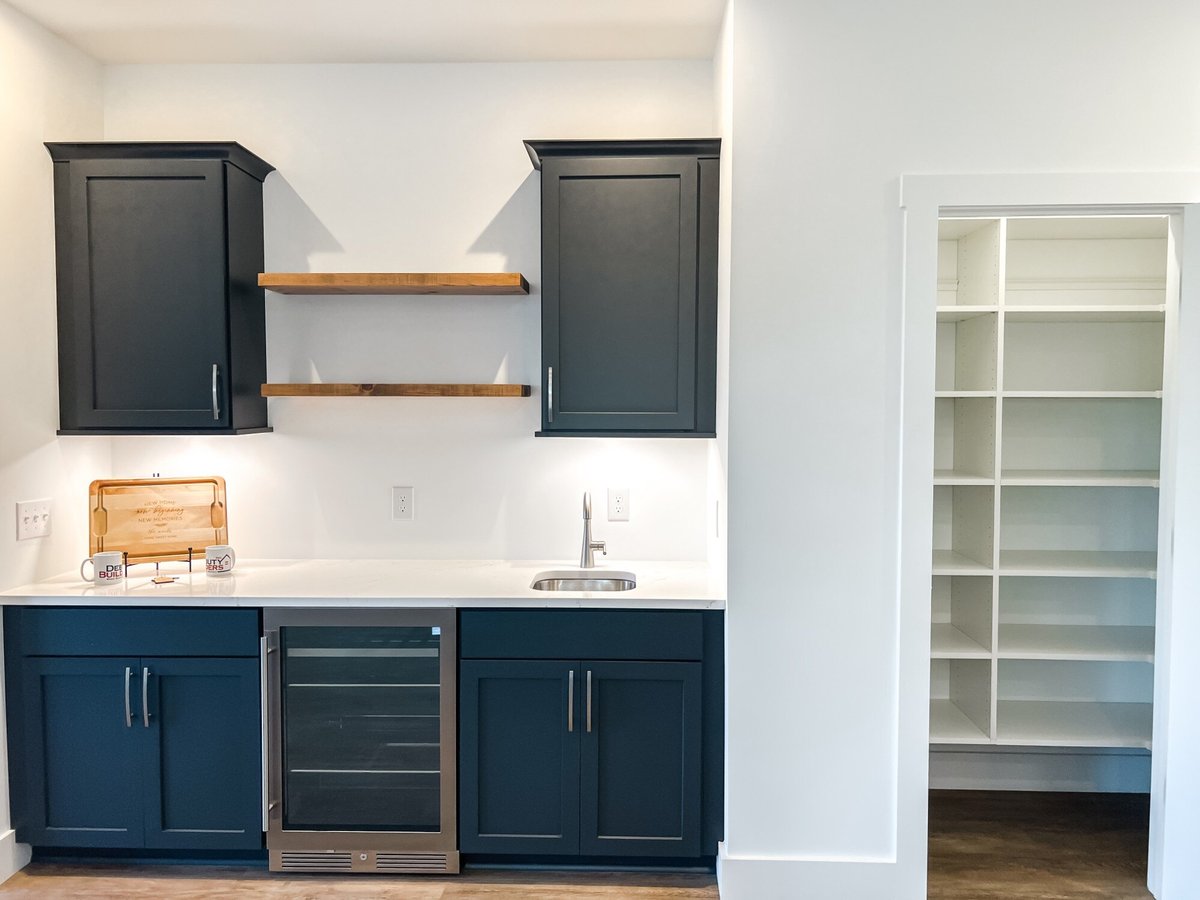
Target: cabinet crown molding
{"x": 699, "y": 147}
{"x": 230, "y": 151}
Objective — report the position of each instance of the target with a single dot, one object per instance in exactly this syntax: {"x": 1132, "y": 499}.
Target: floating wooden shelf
{"x": 396, "y": 390}
{"x": 394, "y": 282}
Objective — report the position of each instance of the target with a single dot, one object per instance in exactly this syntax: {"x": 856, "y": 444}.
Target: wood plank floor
{"x": 982, "y": 846}
{"x": 1037, "y": 846}
{"x": 180, "y": 882}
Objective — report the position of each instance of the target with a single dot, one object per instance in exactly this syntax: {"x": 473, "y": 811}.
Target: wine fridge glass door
{"x": 362, "y": 728}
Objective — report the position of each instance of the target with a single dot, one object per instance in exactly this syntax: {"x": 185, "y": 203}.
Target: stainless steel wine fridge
{"x": 361, "y": 740}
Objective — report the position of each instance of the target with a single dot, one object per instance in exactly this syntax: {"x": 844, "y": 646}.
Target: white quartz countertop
{"x": 381, "y": 583}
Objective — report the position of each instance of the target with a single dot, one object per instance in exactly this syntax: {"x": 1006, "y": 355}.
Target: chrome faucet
{"x": 586, "y": 558}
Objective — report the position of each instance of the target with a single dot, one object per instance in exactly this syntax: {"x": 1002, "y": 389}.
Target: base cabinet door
{"x": 640, "y": 759}
{"x": 519, "y": 756}
{"x": 202, "y": 756}
{"x": 80, "y": 783}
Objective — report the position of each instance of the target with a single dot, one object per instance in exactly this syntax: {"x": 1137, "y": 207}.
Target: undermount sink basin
{"x": 584, "y": 580}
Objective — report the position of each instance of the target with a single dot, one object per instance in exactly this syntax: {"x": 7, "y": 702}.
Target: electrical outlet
{"x": 33, "y": 519}
{"x": 403, "y": 500}
{"x": 618, "y": 504}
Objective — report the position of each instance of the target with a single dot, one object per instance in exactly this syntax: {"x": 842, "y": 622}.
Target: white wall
{"x": 718, "y": 548}
{"x": 833, "y": 103}
{"x": 418, "y": 168}
{"x": 48, "y": 91}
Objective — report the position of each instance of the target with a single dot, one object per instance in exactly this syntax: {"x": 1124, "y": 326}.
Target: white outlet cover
{"x": 618, "y": 504}
{"x": 33, "y": 519}
{"x": 403, "y": 504}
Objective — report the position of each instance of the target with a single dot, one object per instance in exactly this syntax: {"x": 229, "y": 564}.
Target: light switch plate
{"x": 33, "y": 519}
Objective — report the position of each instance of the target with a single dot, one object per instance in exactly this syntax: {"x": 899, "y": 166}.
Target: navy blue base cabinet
{"x": 134, "y": 728}
{"x": 590, "y": 733}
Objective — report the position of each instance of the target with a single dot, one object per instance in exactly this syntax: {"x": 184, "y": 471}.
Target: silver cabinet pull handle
{"x": 265, "y": 727}
{"x": 589, "y": 701}
{"x": 550, "y": 393}
{"x": 571, "y": 700}
{"x": 128, "y": 702}
{"x": 216, "y": 400}
{"x": 145, "y": 696}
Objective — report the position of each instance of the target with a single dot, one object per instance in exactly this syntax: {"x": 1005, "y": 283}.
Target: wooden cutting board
{"x": 157, "y": 519}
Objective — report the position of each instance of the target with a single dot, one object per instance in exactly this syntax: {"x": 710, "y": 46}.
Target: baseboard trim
{"x": 783, "y": 878}
{"x": 1043, "y": 769}
{"x": 13, "y": 856}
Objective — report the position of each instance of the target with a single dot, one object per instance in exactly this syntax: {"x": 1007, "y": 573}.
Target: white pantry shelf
{"x": 1113, "y": 643}
{"x": 1078, "y": 478}
{"x": 956, "y": 394}
{"x": 1082, "y": 395}
{"x": 1079, "y": 563}
{"x": 950, "y": 725}
{"x": 948, "y": 642}
{"x": 952, "y": 313}
{"x": 1061, "y": 723}
{"x": 953, "y": 476}
{"x": 1147, "y": 312}
{"x": 950, "y": 562}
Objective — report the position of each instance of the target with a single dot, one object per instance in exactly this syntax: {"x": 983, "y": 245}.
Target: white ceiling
{"x": 277, "y": 31}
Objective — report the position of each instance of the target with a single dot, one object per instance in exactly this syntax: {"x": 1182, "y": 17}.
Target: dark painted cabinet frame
{"x": 629, "y": 286}
{"x": 590, "y": 734}
{"x": 134, "y": 729}
{"x": 161, "y": 323}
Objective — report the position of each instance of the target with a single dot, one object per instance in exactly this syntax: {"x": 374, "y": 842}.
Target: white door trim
{"x": 1174, "y": 867}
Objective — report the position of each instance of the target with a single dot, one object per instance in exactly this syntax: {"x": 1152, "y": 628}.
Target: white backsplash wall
{"x": 418, "y": 168}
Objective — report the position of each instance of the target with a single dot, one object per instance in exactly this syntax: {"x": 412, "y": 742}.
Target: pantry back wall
{"x": 418, "y": 168}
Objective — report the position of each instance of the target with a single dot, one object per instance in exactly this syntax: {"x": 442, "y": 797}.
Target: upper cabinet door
{"x": 628, "y": 314}
{"x": 161, "y": 323}
{"x": 144, "y": 334}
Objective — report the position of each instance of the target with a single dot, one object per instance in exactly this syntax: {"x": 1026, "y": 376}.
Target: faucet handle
{"x": 601, "y": 546}
{"x": 587, "y": 505}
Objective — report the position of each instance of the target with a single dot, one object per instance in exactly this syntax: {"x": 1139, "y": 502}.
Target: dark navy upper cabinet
{"x": 617, "y": 755}
{"x": 161, "y": 323}
{"x": 629, "y": 286}
{"x": 109, "y": 750}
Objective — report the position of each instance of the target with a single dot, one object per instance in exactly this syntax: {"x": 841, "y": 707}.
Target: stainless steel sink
{"x": 584, "y": 580}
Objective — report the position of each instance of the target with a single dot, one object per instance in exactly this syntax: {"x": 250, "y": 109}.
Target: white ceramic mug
{"x": 108, "y": 567}
{"x": 219, "y": 559}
